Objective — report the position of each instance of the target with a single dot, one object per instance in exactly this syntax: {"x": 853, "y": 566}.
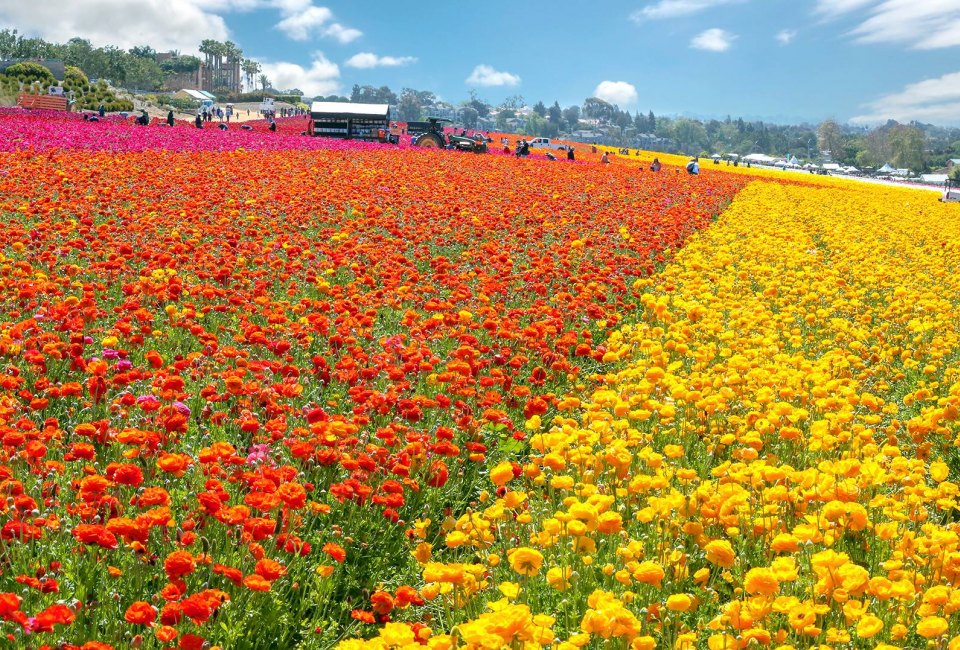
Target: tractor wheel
{"x": 480, "y": 148}
{"x": 429, "y": 140}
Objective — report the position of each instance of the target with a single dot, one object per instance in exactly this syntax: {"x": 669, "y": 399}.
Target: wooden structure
{"x": 44, "y": 102}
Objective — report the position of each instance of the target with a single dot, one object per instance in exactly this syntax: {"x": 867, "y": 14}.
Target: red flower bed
{"x": 233, "y": 381}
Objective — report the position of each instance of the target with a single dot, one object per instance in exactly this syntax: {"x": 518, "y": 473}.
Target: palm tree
{"x": 251, "y": 69}
{"x": 234, "y": 55}
{"x": 264, "y": 81}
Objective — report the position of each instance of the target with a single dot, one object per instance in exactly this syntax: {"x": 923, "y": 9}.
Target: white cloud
{"x": 301, "y": 24}
{"x": 163, "y": 24}
{"x": 833, "y": 8}
{"x": 786, "y": 36}
{"x": 367, "y": 60}
{"x": 342, "y": 34}
{"x": 920, "y": 24}
{"x": 485, "y": 75}
{"x": 620, "y": 93}
{"x": 675, "y": 8}
{"x": 713, "y": 40}
{"x": 321, "y": 78}
{"x": 931, "y": 100}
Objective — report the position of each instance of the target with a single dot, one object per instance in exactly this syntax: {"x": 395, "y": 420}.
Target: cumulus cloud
{"x": 163, "y": 24}
{"x": 302, "y": 23}
{"x": 920, "y": 24}
{"x": 931, "y": 100}
{"x": 713, "y": 40}
{"x": 676, "y": 8}
{"x": 321, "y": 78}
{"x": 786, "y": 36}
{"x": 620, "y": 93}
{"x": 367, "y": 60}
{"x": 341, "y": 33}
{"x": 485, "y": 75}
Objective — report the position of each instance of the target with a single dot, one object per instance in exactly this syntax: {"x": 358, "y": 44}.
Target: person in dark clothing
{"x": 102, "y": 110}
{"x": 570, "y": 155}
{"x": 273, "y": 126}
{"x": 199, "y": 121}
{"x": 222, "y": 126}
{"x": 170, "y": 118}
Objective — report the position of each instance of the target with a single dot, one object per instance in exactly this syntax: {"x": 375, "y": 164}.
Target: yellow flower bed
{"x": 776, "y": 463}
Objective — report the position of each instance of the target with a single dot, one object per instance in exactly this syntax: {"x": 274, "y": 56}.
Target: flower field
{"x": 263, "y": 391}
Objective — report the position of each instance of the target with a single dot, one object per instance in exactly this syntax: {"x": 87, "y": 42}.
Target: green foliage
{"x": 29, "y": 72}
{"x": 180, "y": 64}
{"x": 74, "y": 79}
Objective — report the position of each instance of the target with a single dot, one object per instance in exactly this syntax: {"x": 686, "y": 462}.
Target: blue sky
{"x": 780, "y": 60}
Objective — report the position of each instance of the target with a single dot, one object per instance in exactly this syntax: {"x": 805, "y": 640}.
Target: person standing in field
{"x": 655, "y": 165}
{"x": 570, "y": 155}
{"x": 170, "y": 118}
{"x": 605, "y": 158}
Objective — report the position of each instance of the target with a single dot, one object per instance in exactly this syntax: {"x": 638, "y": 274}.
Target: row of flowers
{"x": 246, "y": 395}
{"x": 777, "y": 463}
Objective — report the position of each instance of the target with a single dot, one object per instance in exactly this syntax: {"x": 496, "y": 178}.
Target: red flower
{"x": 140, "y": 613}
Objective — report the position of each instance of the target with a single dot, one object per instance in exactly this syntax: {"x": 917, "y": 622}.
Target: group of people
{"x": 693, "y": 167}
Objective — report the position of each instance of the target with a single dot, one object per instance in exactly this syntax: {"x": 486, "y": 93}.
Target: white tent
{"x": 761, "y": 158}
{"x": 886, "y": 169}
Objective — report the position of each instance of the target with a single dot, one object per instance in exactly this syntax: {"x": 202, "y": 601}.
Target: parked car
{"x": 546, "y": 143}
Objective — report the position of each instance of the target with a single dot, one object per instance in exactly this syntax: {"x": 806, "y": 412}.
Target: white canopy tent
{"x": 760, "y": 158}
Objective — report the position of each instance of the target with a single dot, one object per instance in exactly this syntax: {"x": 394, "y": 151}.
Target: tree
{"x": 482, "y": 107}
{"x": 513, "y": 103}
{"x": 640, "y": 123}
{"x": 690, "y": 135}
{"x": 142, "y": 73}
{"x": 651, "y": 122}
{"x": 555, "y": 114}
{"x": 540, "y": 109}
{"x": 572, "y": 115}
{"x": 250, "y": 69}
{"x": 597, "y": 109}
{"x": 373, "y": 95}
{"x": 830, "y": 137}
{"x": 907, "y": 148}
{"x": 143, "y": 52}
{"x": 264, "y": 82}
{"x": 469, "y": 116}
{"x": 410, "y": 107}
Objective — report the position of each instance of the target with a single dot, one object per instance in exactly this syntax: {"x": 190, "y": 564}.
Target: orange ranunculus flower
{"x": 140, "y": 613}
{"x": 256, "y": 582}
{"x": 720, "y": 552}
{"x": 269, "y": 569}
{"x": 526, "y": 561}
{"x": 179, "y": 563}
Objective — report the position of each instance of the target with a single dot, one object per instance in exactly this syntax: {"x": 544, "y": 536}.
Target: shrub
{"x": 29, "y": 72}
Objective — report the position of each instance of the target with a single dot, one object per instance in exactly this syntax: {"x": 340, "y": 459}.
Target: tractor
{"x": 434, "y": 137}
{"x": 951, "y": 191}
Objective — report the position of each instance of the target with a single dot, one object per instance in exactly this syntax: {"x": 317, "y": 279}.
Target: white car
{"x": 546, "y": 143}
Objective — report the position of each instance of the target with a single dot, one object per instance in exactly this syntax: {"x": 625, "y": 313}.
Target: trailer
{"x": 350, "y": 121}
